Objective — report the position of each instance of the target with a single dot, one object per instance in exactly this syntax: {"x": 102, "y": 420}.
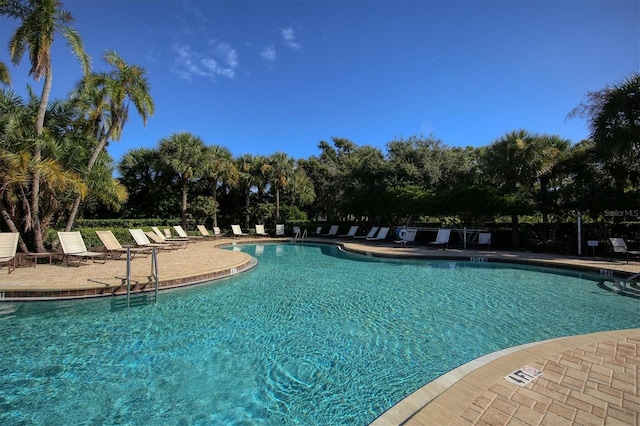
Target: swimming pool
{"x": 310, "y": 336}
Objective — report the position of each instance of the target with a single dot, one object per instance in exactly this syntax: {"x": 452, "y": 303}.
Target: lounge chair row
{"x": 404, "y": 235}
{"x": 260, "y": 231}
{"x": 73, "y": 245}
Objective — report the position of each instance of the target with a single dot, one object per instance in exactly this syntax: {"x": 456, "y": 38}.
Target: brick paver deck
{"x": 592, "y": 379}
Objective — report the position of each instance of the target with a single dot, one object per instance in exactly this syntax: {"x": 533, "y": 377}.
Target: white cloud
{"x": 228, "y": 53}
{"x": 222, "y": 61}
{"x": 289, "y": 38}
{"x": 268, "y": 53}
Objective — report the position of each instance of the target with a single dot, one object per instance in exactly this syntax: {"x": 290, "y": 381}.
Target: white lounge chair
{"x": 166, "y": 235}
{"x": 371, "y": 233}
{"x": 280, "y": 230}
{"x": 442, "y": 239}
{"x": 158, "y": 237}
{"x": 142, "y": 240}
{"x": 260, "y": 231}
{"x": 113, "y": 246}
{"x": 405, "y": 235}
{"x": 73, "y": 246}
{"x": 237, "y": 231}
{"x": 152, "y": 236}
{"x": 183, "y": 234}
{"x": 297, "y": 233}
{"x": 208, "y": 235}
{"x": 484, "y": 239}
{"x": 620, "y": 246}
{"x": 382, "y": 234}
{"x": 8, "y": 248}
{"x": 333, "y": 231}
{"x": 351, "y": 233}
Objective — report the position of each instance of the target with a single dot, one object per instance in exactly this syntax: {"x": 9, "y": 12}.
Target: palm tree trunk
{"x": 94, "y": 157}
{"x": 277, "y": 203}
{"x": 246, "y": 213}
{"x": 37, "y": 157}
{"x": 515, "y": 232}
{"x": 215, "y": 202}
{"x": 72, "y": 214}
{"x": 183, "y": 213}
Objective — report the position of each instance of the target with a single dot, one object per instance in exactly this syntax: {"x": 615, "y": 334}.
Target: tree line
{"x": 54, "y": 166}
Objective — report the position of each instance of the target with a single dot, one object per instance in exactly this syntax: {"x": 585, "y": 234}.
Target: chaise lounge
{"x": 73, "y": 247}
{"x": 8, "y": 248}
{"x": 115, "y": 249}
{"x": 442, "y": 239}
{"x": 620, "y": 246}
{"x": 237, "y": 231}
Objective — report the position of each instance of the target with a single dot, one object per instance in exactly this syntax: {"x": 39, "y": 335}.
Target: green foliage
{"x": 293, "y": 214}
{"x": 203, "y": 207}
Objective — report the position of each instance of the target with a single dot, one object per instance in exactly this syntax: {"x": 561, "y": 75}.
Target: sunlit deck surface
{"x": 589, "y": 379}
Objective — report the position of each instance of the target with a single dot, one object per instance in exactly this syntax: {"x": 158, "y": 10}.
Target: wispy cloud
{"x": 268, "y": 53}
{"x": 221, "y": 60}
{"x": 289, "y": 38}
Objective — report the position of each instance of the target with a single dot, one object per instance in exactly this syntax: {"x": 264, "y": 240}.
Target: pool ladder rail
{"x": 299, "y": 236}
{"x": 623, "y": 287}
{"x": 154, "y": 274}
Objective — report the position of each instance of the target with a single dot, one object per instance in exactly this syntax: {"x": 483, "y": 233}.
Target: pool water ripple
{"x": 311, "y": 336}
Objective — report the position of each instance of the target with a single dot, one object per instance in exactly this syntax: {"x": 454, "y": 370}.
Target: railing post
{"x": 155, "y": 263}
{"x": 128, "y": 276}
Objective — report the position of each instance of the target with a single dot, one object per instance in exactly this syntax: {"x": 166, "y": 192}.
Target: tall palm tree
{"x": 14, "y": 177}
{"x": 105, "y": 97}
{"x": 39, "y": 21}
{"x": 219, "y": 166}
{"x": 278, "y": 170}
{"x": 184, "y": 154}
{"x": 613, "y": 116}
{"x": 251, "y": 176}
{"x": 514, "y": 163}
{"x": 553, "y": 150}
{"x": 58, "y": 179}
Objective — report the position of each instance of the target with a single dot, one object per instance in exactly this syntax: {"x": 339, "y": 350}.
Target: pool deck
{"x": 588, "y": 379}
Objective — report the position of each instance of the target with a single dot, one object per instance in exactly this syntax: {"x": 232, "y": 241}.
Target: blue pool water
{"x": 310, "y": 336}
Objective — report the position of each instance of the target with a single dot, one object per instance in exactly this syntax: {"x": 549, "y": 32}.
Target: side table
{"x": 33, "y": 257}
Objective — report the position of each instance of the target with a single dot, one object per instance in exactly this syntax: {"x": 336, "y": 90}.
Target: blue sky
{"x": 265, "y": 76}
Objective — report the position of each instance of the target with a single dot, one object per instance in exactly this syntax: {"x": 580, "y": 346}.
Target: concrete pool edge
{"x": 488, "y": 370}
{"x": 59, "y": 282}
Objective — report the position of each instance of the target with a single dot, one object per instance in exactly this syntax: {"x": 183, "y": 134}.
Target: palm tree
{"x": 514, "y": 163}
{"x": 14, "y": 177}
{"x": 106, "y": 97}
{"x": 554, "y": 149}
{"x": 278, "y": 170}
{"x": 613, "y": 116}
{"x": 219, "y": 166}
{"x": 59, "y": 181}
{"x": 184, "y": 154}
{"x": 40, "y": 20}
{"x": 251, "y": 175}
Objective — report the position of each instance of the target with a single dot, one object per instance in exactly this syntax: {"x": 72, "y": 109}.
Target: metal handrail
{"x": 154, "y": 274}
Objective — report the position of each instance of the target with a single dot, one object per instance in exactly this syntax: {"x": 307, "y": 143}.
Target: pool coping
{"x": 114, "y": 285}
